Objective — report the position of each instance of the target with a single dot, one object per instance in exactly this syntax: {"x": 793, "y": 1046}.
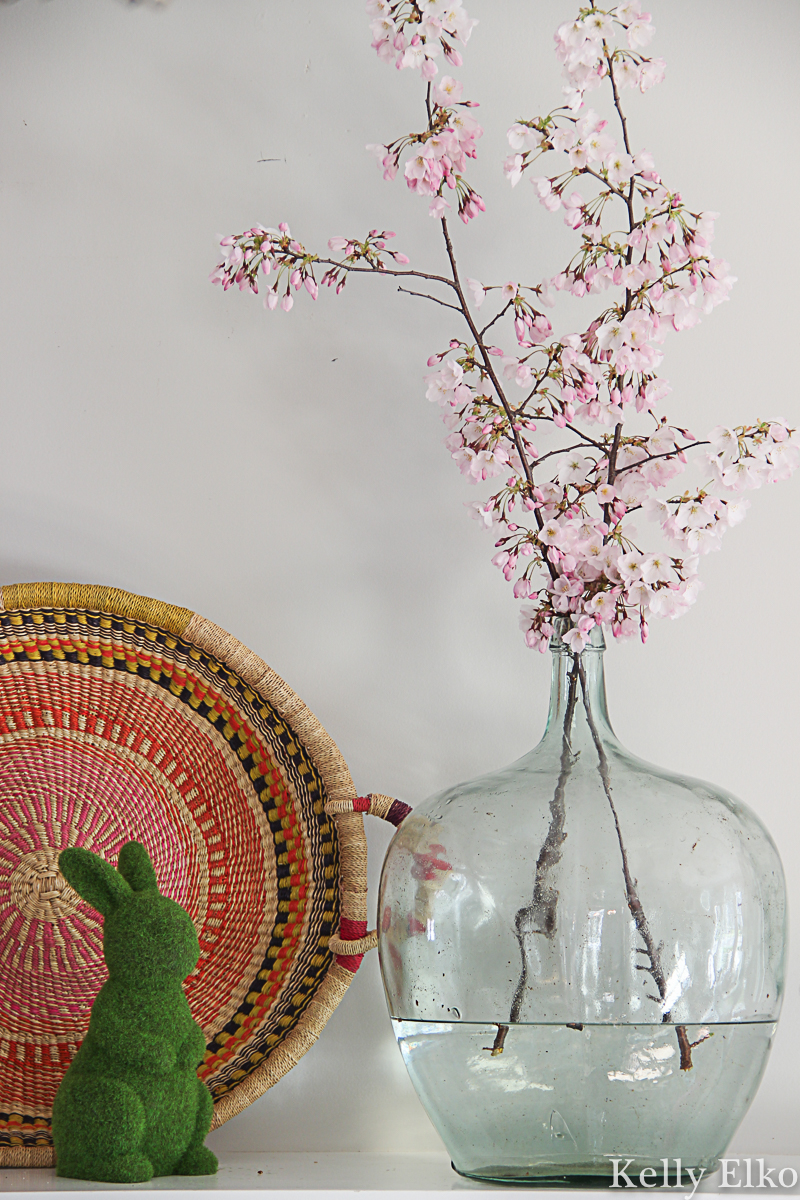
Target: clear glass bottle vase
{"x": 583, "y": 955}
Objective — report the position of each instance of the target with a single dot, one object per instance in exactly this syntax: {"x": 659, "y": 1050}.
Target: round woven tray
{"x": 122, "y": 717}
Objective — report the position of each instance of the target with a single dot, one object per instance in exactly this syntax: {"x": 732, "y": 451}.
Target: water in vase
{"x": 563, "y": 1101}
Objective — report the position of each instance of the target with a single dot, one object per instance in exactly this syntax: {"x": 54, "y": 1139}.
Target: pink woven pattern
{"x": 92, "y": 761}
{"x": 124, "y": 717}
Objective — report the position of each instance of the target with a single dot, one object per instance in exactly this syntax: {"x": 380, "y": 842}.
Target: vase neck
{"x": 578, "y": 694}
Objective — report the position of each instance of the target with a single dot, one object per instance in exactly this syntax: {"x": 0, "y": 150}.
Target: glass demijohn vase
{"x": 583, "y": 955}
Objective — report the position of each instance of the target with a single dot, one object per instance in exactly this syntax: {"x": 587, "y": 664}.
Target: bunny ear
{"x": 95, "y": 880}
{"x": 135, "y": 866}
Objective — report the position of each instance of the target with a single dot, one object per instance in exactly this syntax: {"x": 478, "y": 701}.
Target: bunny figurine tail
{"x": 130, "y": 1105}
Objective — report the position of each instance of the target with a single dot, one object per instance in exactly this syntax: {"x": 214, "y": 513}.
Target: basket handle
{"x": 353, "y": 941}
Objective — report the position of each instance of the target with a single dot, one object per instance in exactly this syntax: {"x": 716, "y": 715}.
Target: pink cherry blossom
{"x": 656, "y": 568}
{"x": 420, "y": 55}
{"x": 577, "y": 638}
{"x": 651, "y": 73}
{"x": 523, "y": 137}
{"x": 619, "y": 167}
{"x": 640, "y": 32}
{"x": 560, "y": 516}
{"x": 484, "y": 513}
{"x": 627, "y": 73}
{"x": 628, "y": 12}
{"x": 478, "y": 292}
{"x": 575, "y": 469}
{"x": 437, "y": 207}
{"x": 602, "y": 605}
{"x": 448, "y": 91}
{"x": 513, "y": 168}
{"x": 630, "y": 566}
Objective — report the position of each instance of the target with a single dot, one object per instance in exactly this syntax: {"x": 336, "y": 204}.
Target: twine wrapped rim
{"x": 345, "y": 944}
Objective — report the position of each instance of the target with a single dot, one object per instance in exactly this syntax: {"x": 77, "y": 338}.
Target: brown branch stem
{"x": 651, "y": 950}
{"x": 502, "y": 313}
{"x": 612, "y": 467}
{"x": 490, "y": 371}
{"x": 612, "y": 457}
{"x": 617, "y": 104}
{"x": 427, "y": 296}
{"x": 615, "y": 191}
{"x": 485, "y": 356}
{"x": 499, "y": 1041}
{"x": 539, "y": 917}
{"x": 573, "y": 429}
{"x": 652, "y": 457}
{"x": 563, "y": 450}
{"x": 383, "y": 270}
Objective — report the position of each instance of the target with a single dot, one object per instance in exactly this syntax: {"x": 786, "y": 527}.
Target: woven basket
{"x": 123, "y": 717}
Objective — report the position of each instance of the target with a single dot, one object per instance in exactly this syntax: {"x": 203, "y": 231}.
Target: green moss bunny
{"x": 130, "y": 1105}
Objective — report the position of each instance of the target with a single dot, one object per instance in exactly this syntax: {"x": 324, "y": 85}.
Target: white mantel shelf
{"x": 335, "y": 1177}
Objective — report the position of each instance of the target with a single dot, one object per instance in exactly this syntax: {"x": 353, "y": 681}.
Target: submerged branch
{"x": 499, "y": 1041}
{"x": 686, "y": 1047}
{"x": 653, "y": 952}
{"x": 540, "y": 915}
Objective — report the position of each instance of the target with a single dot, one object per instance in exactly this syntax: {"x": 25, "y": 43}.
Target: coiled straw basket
{"x": 122, "y": 717}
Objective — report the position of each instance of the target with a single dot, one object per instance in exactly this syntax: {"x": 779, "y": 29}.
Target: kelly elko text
{"x": 736, "y": 1173}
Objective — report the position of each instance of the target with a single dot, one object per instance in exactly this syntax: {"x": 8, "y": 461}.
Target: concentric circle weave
{"x": 122, "y": 717}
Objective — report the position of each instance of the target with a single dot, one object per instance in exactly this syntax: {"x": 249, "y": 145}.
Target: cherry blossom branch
{"x": 384, "y": 271}
{"x": 686, "y": 1047}
{"x": 617, "y": 104}
{"x": 489, "y": 369}
{"x": 662, "y": 276}
{"x": 653, "y": 457}
{"x": 427, "y": 296}
{"x": 614, "y": 191}
{"x": 540, "y": 916}
{"x": 502, "y": 313}
{"x": 586, "y": 439}
{"x": 553, "y": 453}
{"x": 487, "y": 365}
{"x": 612, "y": 468}
{"x": 651, "y": 950}
{"x": 572, "y": 524}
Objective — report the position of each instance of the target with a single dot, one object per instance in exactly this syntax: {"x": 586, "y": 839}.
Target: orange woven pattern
{"x": 112, "y": 728}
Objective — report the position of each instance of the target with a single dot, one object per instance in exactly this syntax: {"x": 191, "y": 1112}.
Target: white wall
{"x": 284, "y": 475}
